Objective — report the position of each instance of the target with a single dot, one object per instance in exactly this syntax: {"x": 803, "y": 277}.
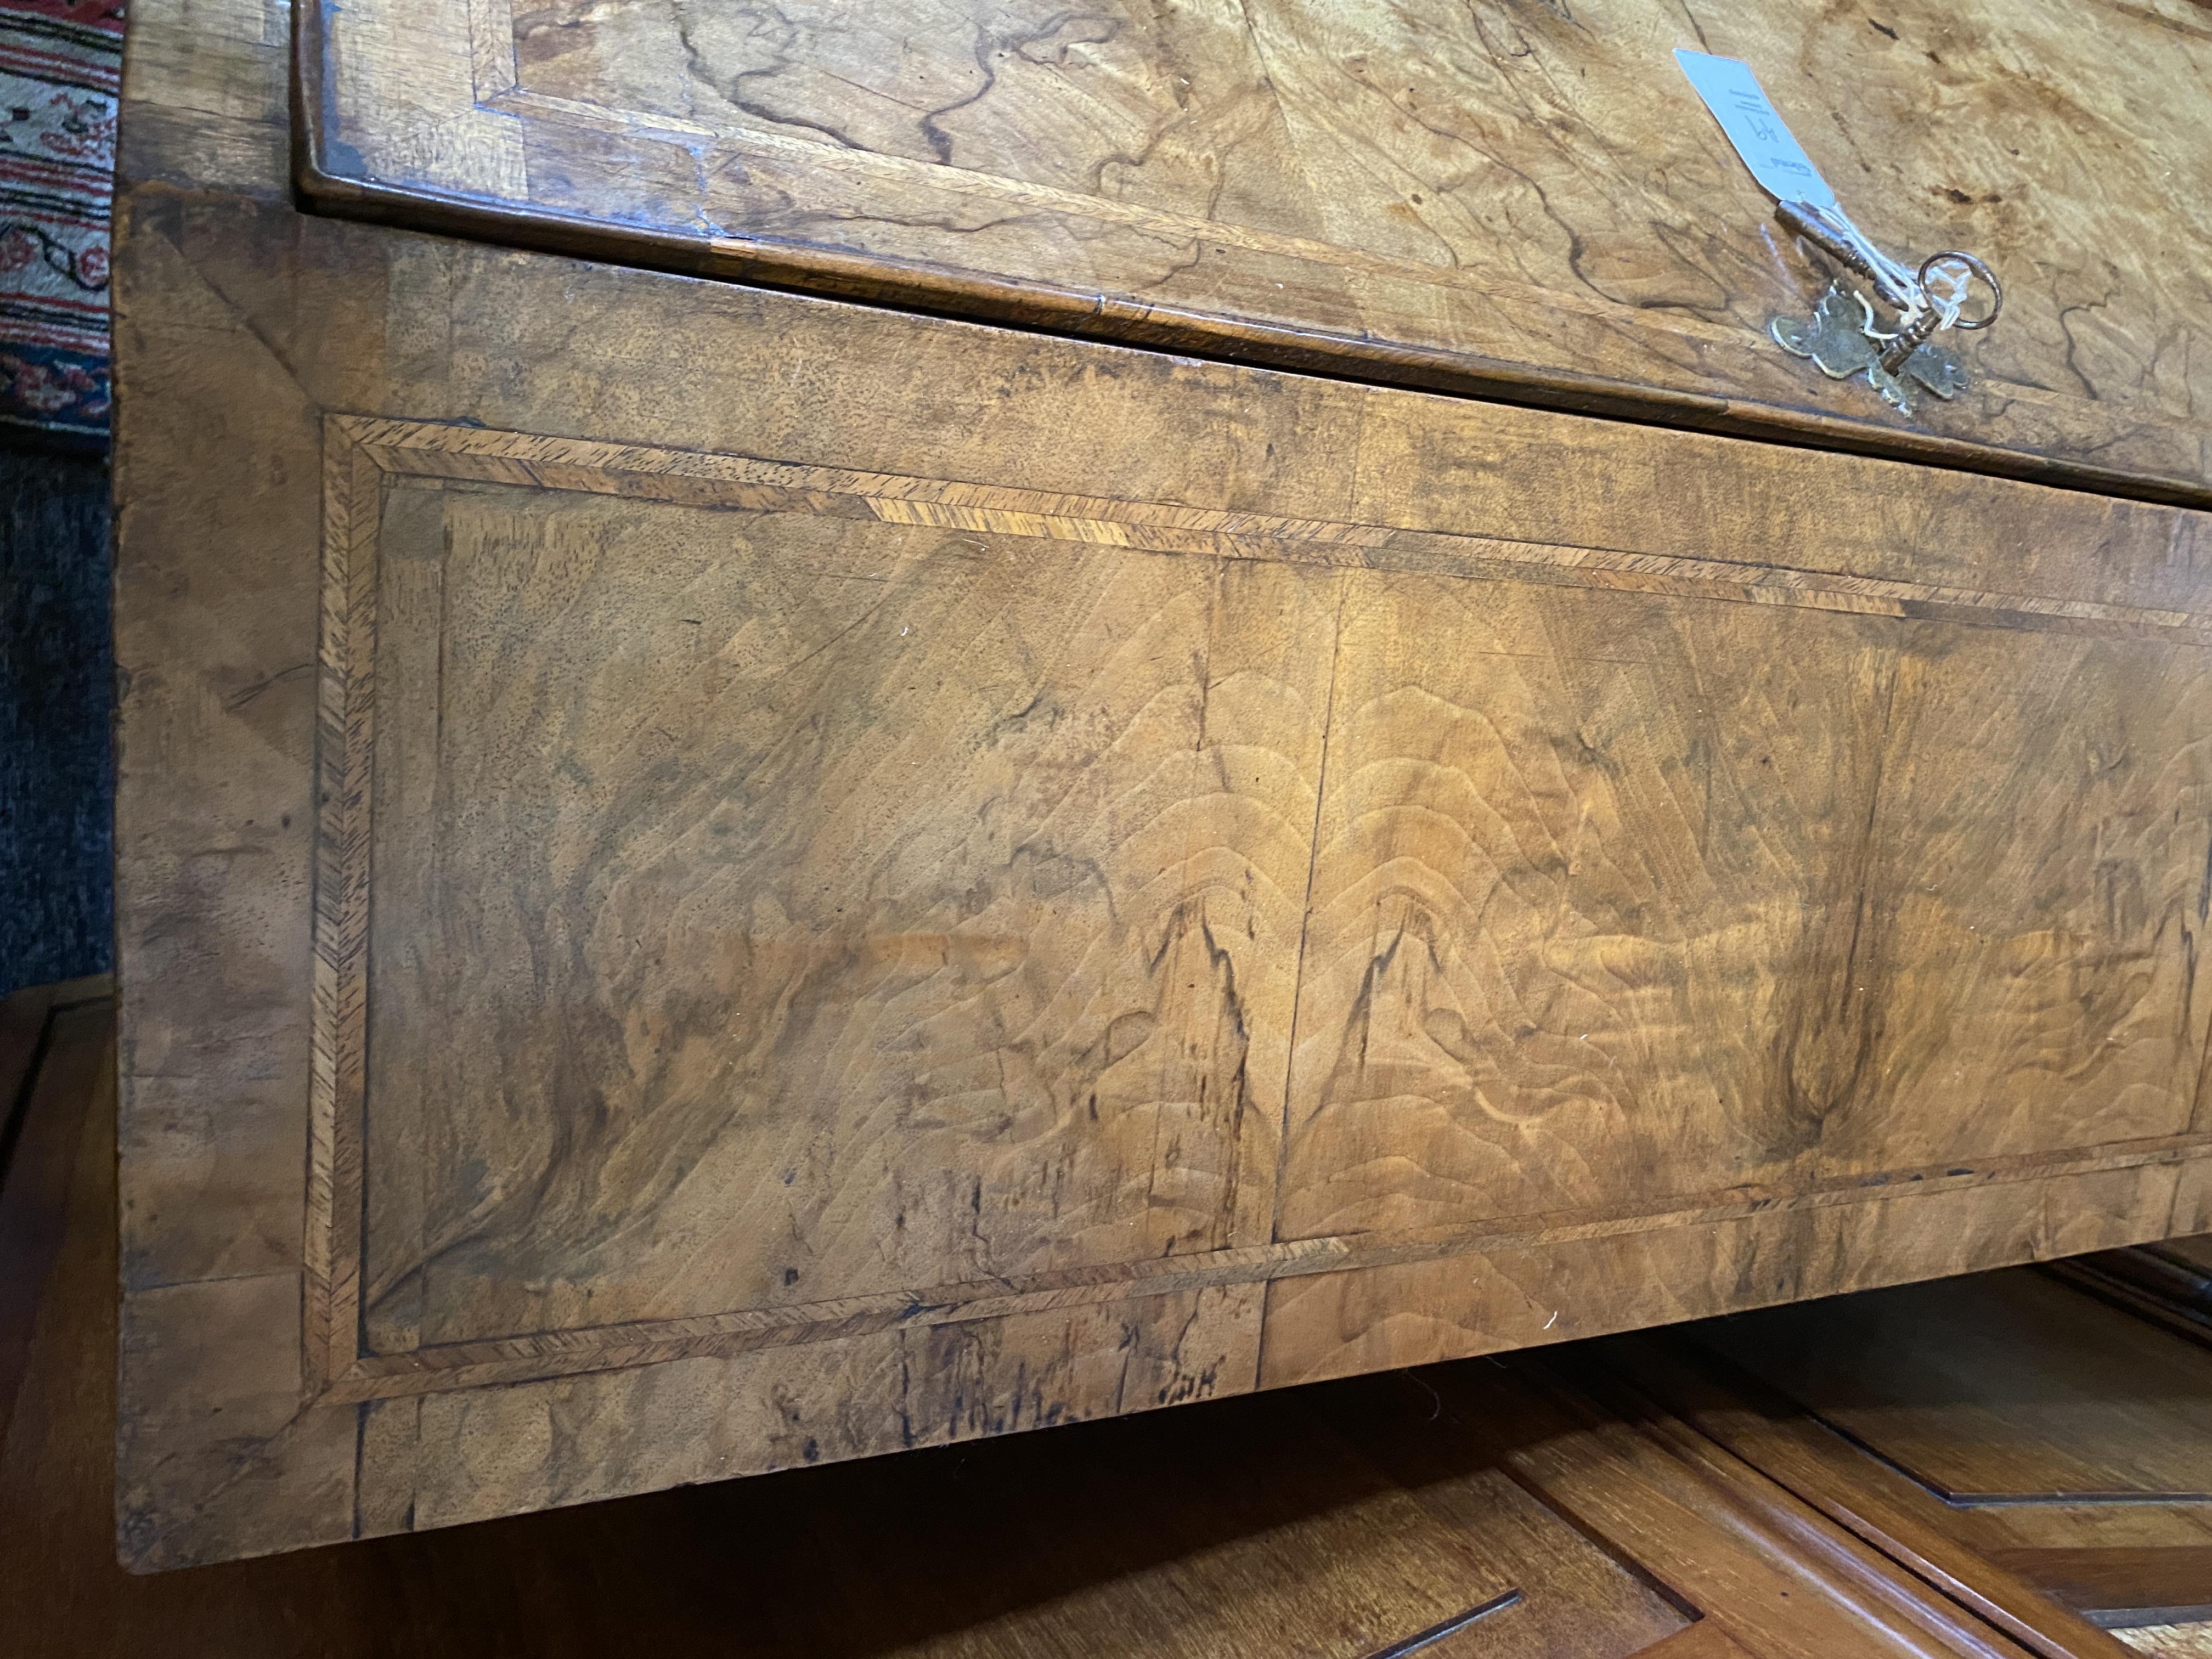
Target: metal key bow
{"x": 1843, "y": 336}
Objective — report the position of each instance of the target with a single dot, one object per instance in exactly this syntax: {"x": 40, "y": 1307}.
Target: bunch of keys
{"x": 1842, "y": 336}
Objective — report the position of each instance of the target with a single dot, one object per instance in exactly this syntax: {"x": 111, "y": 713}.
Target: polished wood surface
{"x": 802, "y": 881}
{"x": 1501, "y": 197}
{"x": 2195, "y": 1253}
{"x": 2190, "y": 1639}
{"x": 56, "y": 1068}
{"x": 1468, "y": 1513}
{"x": 2015, "y": 1441}
{"x": 2170, "y": 1283}
{"x": 1935, "y": 1378}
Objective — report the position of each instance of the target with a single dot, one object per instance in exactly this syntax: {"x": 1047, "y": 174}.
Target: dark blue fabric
{"x": 56, "y": 675}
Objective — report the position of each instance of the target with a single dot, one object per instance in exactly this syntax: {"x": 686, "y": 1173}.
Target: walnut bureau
{"x": 840, "y": 734}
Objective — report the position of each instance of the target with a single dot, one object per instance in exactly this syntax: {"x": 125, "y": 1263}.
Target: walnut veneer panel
{"x": 712, "y": 880}
{"x": 1524, "y": 197}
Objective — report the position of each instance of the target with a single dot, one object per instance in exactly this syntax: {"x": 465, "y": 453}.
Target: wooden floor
{"x": 1827, "y": 1480}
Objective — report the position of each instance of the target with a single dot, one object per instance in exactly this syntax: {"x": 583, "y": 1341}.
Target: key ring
{"x": 1919, "y": 325}
{"x": 1895, "y": 360}
{"x": 1974, "y": 268}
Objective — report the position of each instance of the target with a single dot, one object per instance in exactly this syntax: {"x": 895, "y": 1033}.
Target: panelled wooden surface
{"x": 805, "y": 882}
{"x": 2016, "y": 1441}
{"x": 1525, "y": 197}
{"x": 2103, "y": 1407}
{"x": 2196, "y": 1253}
{"x": 2170, "y": 1283}
{"x": 2189, "y": 1639}
{"x": 57, "y": 1067}
{"x": 1468, "y": 1513}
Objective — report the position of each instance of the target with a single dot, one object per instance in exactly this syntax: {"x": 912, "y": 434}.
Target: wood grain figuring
{"x": 476, "y": 1203}
{"x": 1094, "y": 983}
{"x": 1415, "y": 1518}
{"x": 712, "y": 881}
{"x": 2192, "y": 1640}
{"x": 1505, "y": 197}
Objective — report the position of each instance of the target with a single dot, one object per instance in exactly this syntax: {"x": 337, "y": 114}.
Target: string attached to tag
{"x": 1928, "y": 299}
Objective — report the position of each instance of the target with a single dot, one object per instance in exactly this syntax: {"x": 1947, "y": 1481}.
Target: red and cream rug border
{"x": 60, "y": 64}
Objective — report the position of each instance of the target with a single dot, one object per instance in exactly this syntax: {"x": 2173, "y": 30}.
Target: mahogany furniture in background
{"x": 2170, "y": 1282}
{"x": 713, "y": 878}
{"x": 2011, "y": 1439}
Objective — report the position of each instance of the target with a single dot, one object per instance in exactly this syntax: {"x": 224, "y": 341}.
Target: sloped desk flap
{"x": 1520, "y": 199}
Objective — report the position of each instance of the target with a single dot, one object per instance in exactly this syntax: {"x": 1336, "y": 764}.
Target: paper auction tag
{"x": 1731, "y": 93}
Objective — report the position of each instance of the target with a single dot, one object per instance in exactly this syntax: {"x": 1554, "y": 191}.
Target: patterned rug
{"x": 60, "y": 61}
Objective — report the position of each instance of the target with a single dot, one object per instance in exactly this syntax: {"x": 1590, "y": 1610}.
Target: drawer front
{"x": 714, "y": 880}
